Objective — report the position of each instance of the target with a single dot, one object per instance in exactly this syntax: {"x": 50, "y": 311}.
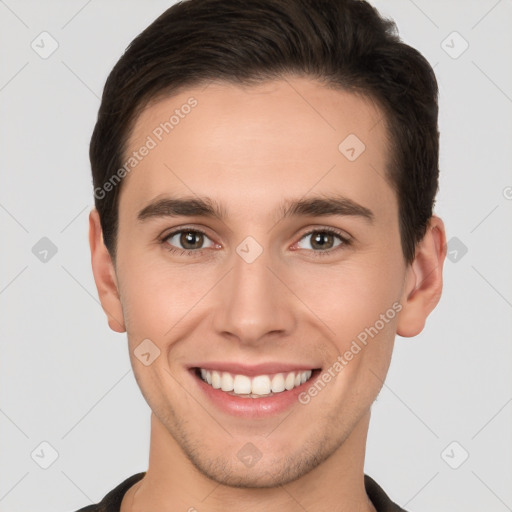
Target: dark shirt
{"x": 112, "y": 501}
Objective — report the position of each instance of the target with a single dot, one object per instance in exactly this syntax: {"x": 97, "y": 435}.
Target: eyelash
{"x": 345, "y": 242}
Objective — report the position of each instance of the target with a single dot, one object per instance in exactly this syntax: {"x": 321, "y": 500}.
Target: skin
{"x": 249, "y": 148}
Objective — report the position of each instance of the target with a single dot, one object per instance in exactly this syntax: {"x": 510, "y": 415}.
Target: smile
{"x": 258, "y": 386}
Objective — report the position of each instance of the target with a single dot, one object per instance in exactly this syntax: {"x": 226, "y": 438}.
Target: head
{"x": 303, "y": 136}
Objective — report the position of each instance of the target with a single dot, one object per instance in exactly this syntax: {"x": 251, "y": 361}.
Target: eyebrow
{"x": 317, "y": 206}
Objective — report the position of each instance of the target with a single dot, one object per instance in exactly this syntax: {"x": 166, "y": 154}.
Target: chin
{"x": 263, "y": 473}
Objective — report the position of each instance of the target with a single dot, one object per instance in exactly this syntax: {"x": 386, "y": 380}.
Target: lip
{"x": 253, "y": 370}
{"x": 252, "y": 407}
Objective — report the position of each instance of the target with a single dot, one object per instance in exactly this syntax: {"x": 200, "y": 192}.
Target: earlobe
{"x": 424, "y": 280}
{"x": 104, "y": 275}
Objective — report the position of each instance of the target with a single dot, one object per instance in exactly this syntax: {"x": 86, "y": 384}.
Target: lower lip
{"x": 253, "y": 407}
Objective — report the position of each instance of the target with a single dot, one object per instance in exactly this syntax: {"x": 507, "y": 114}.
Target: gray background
{"x": 66, "y": 378}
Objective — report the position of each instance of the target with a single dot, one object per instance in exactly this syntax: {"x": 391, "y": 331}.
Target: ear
{"x": 104, "y": 275}
{"x": 424, "y": 280}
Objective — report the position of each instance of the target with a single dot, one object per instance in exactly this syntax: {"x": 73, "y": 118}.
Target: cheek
{"x": 158, "y": 296}
{"x": 359, "y": 304}
{"x": 351, "y": 296}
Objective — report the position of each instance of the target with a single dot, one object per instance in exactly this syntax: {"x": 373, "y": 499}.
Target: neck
{"x": 173, "y": 483}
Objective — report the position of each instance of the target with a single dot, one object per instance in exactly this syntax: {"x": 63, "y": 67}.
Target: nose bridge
{"x": 253, "y": 302}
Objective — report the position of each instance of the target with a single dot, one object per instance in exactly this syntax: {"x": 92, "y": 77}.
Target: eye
{"x": 187, "y": 241}
{"x": 324, "y": 241}
{"x": 191, "y": 242}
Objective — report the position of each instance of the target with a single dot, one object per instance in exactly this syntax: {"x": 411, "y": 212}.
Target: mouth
{"x": 255, "y": 386}
{"x": 256, "y": 391}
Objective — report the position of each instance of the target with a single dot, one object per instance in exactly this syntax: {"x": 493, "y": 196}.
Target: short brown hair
{"x": 342, "y": 43}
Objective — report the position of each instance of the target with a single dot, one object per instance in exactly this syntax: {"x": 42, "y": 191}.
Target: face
{"x": 270, "y": 304}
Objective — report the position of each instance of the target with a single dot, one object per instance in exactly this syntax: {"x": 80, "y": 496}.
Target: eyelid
{"x": 327, "y": 229}
{"x": 179, "y": 229}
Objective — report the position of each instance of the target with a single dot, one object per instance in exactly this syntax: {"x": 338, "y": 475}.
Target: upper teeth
{"x": 258, "y": 385}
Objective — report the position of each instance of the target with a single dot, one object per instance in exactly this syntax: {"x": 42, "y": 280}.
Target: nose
{"x": 253, "y": 302}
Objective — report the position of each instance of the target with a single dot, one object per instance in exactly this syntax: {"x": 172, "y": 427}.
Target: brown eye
{"x": 323, "y": 240}
{"x": 187, "y": 240}
{"x": 191, "y": 239}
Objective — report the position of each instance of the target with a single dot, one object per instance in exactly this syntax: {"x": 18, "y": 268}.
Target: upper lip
{"x": 253, "y": 370}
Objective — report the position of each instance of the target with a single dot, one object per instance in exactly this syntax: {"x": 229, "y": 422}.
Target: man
{"x": 264, "y": 174}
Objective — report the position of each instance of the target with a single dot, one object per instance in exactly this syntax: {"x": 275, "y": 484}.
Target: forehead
{"x": 253, "y": 143}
